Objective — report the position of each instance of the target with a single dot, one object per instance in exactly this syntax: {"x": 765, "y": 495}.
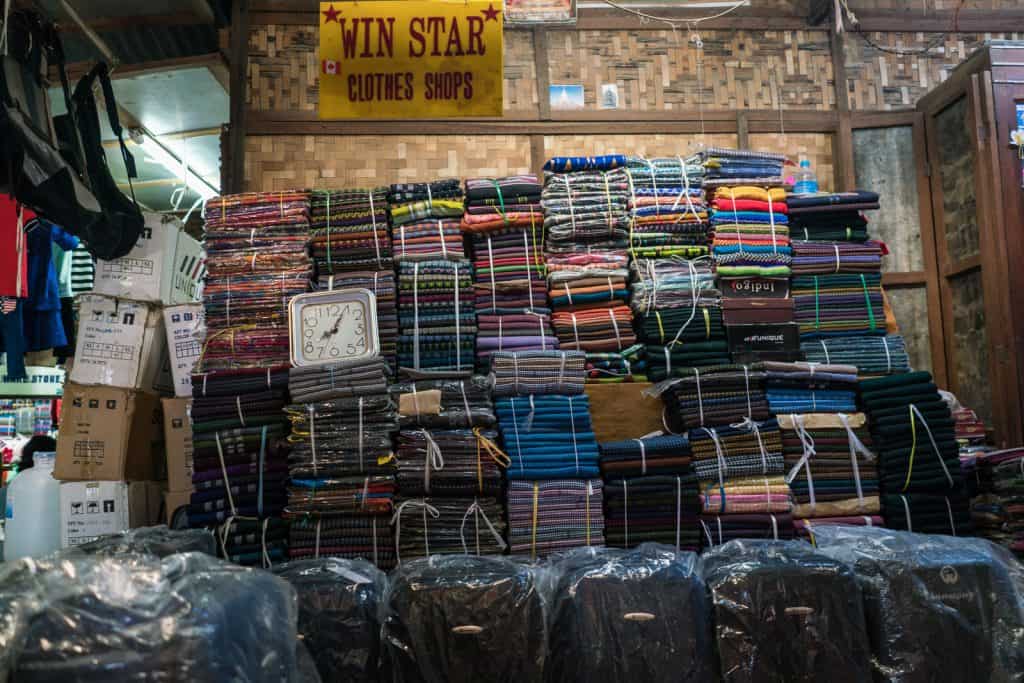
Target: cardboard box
{"x": 759, "y": 287}
{"x": 184, "y": 326}
{"x": 174, "y": 500}
{"x": 622, "y": 411}
{"x": 121, "y": 344}
{"x": 164, "y": 267}
{"x": 178, "y": 442}
{"x": 108, "y": 434}
{"x": 778, "y": 342}
{"x": 756, "y": 311}
{"x": 90, "y": 509}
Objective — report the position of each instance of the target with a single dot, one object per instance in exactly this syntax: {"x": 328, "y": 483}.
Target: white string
{"x": 458, "y": 327}
{"x": 746, "y": 379}
{"x": 396, "y": 519}
{"x": 575, "y": 331}
{"x": 752, "y": 426}
{"x": 824, "y": 347}
{"x": 906, "y": 510}
{"x": 415, "y": 310}
{"x": 952, "y": 525}
{"x": 475, "y": 508}
{"x": 238, "y": 405}
{"x": 316, "y": 550}
{"x": 376, "y": 242}
{"x": 433, "y": 459}
{"x": 568, "y": 194}
{"x": 700, "y": 398}
{"x": 440, "y": 234}
{"x": 312, "y": 433}
{"x": 572, "y": 424}
{"x": 568, "y": 294}
{"x": 888, "y": 358}
{"x": 775, "y": 527}
{"x": 374, "y": 521}
{"x": 723, "y": 465}
{"x": 615, "y": 326}
{"x": 362, "y": 467}
{"x": 643, "y": 456}
{"x": 515, "y": 430}
{"x": 224, "y": 473}
{"x": 668, "y": 365}
{"x": 805, "y": 460}
{"x": 494, "y": 285}
{"x": 679, "y": 508}
{"x": 935, "y": 446}
{"x": 529, "y": 269}
{"x": 263, "y": 545}
{"x": 625, "y": 506}
{"x": 465, "y": 403}
{"x": 836, "y": 247}
{"x": 856, "y": 446}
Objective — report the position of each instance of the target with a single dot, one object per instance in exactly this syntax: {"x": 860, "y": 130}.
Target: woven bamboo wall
{"x": 280, "y": 162}
{"x": 816, "y": 147}
{"x": 284, "y": 67}
{"x": 659, "y": 70}
{"x": 877, "y": 79}
{"x": 918, "y": 6}
{"x": 647, "y": 145}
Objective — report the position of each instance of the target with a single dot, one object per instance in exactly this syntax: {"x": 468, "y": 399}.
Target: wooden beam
{"x": 962, "y": 266}
{"x": 239, "y": 74}
{"x": 182, "y": 135}
{"x": 540, "y": 61}
{"x": 537, "y": 154}
{"x": 211, "y": 60}
{"x": 913, "y": 278}
{"x": 742, "y": 130}
{"x": 134, "y": 21}
{"x": 912, "y": 20}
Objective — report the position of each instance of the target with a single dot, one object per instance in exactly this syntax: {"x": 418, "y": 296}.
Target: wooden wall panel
{"x": 916, "y": 6}
{"x": 281, "y": 162}
{"x": 657, "y": 70}
{"x": 284, "y": 66}
{"x": 656, "y": 145}
{"x": 815, "y": 146}
{"x": 877, "y": 79}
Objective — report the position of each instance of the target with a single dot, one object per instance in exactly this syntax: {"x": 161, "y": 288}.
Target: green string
{"x": 330, "y": 263}
{"x": 867, "y": 300}
{"x": 817, "y": 309}
{"x": 501, "y": 201}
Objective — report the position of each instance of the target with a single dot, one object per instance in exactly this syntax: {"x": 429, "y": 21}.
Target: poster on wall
{"x": 411, "y": 59}
{"x": 540, "y": 11}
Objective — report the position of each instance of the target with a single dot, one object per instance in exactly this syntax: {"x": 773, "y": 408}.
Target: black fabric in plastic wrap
{"x": 939, "y": 608}
{"x": 635, "y": 616}
{"x": 465, "y": 619}
{"x": 785, "y": 613}
{"x": 338, "y": 615}
{"x": 188, "y": 617}
{"x": 152, "y": 540}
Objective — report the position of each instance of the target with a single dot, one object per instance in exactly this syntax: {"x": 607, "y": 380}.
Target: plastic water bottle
{"x": 32, "y": 526}
{"x": 806, "y": 181}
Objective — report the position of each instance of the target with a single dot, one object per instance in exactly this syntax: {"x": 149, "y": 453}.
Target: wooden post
{"x": 239, "y": 68}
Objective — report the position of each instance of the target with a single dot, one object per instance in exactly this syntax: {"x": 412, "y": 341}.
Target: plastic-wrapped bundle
{"x": 784, "y": 612}
{"x": 464, "y": 619}
{"x": 443, "y": 526}
{"x": 338, "y": 615}
{"x": 621, "y": 615}
{"x": 188, "y": 617}
{"x": 449, "y": 462}
{"x": 152, "y": 540}
{"x": 873, "y": 356}
{"x": 444, "y": 403}
{"x": 939, "y": 608}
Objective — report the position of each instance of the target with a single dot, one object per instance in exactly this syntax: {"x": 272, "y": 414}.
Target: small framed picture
{"x": 609, "y": 96}
{"x": 566, "y": 97}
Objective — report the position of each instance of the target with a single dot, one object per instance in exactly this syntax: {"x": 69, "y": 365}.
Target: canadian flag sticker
{"x": 330, "y": 67}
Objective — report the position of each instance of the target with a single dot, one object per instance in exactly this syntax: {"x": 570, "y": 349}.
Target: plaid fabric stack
{"x": 650, "y": 493}
{"x": 831, "y": 470}
{"x": 240, "y": 468}
{"x": 666, "y": 203}
{"x": 256, "y": 261}
{"x": 998, "y": 510}
{"x": 425, "y": 219}
{"x": 715, "y": 396}
{"x": 919, "y": 466}
{"x": 751, "y": 229}
{"x": 743, "y": 449}
{"x": 872, "y": 355}
{"x": 436, "y": 318}
{"x": 451, "y": 498}
{"x": 586, "y": 203}
{"x": 505, "y": 220}
{"x": 341, "y": 464}
{"x": 351, "y": 247}
{"x": 678, "y": 314}
{"x": 825, "y": 258}
{"x": 839, "y": 305}
{"x": 554, "y": 491}
{"x": 538, "y": 372}
{"x": 724, "y": 167}
{"x": 811, "y": 388}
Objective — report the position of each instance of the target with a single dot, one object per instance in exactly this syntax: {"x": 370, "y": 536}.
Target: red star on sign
{"x": 490, "y": 14}
{"x": 330, "y": 15}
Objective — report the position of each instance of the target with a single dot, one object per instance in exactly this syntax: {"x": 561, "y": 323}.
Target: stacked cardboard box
{"x": 135, "y": 348}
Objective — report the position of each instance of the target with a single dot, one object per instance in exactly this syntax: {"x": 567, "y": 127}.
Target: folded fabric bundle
{"x": 342, "y": 437}
{"x": 928, "y": 513}
{"x": 811, "y": 388}
{"x": 410, "y": 202}
{"x": 912, "y": 430}
{"x": 872, "y": 355}
{"x": 429, "y": 239}
{"x": 372, "y": 495}
{"x": 830, "y": 466}
{"x": 556, "y": 514}
{"x": 538, "y": 372}
{"x": 585, "y": 207}
{"x": 741, "y": 495}
{"x": 824, "y": 258}
{"x": 654, "y": 508}
{"x": 717, "y": 395}
{"x": 744, "y": 449}
{"x": 548, "y": 436}
{"x": 352, "y": 536}
{"x": 449, "y": 463}
{"x": 445, "y": 403}
{"x": 667, "y": 206}
{"x": 312, "y": 383}
{"x": 450, "y": 525}
{"x": 998, "y": 511}
{"x": 751, "y": 233}
{"x": 839, "y": 305}
{"x": 717, "y": 530}
{"x": 382, "y": 284}
{"x": 436, "y": 318}
{"x": 826, "y": 203}
{"x": 256, "y": 261}
{"x": 628, "y": 365}
{"x": 843, "y": 226}
{"x": 680, "y": 359}
{"x": 672, "y": 283}
{"x": 604, "y": 162}
{"x": 501, "y": 203}
{"x": 741, "y": 167}
{"x": 253, "y": 542}
{"x": 349, "y": 230}
{"x": 649, "y": 456}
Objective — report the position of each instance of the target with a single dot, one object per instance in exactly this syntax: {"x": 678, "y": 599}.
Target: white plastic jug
{"x": 32, "y": 524}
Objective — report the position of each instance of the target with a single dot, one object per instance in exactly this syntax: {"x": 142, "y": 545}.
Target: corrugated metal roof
{"x": 145, "y": 43}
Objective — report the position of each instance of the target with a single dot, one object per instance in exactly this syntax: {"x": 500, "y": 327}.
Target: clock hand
{"x": 334, "y": 330}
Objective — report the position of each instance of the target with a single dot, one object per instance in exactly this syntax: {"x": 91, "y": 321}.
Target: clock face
{"x": 333, "y": 327}
{"x": 333, "y": 331}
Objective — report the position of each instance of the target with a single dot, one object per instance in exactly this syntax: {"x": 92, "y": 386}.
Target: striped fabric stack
{"x": 751, "y": 229}
{"x": 505, "y": 220}
{"x": 425, "y": 219}
{"x": 554, "y": 491}
{"x": 436, "y": 318}
{"x": 587, "y": 221}
{"x": 257, "y": 259}
{"x": 998, "y": 510}
{"x": 919, "y": 466}
{"x": 678, "y": 315}
{"x": 872, "y": 355}
{"x": 840, "y": 305}
{"x": 449, "y": 470}
{"x": 341, "y": 465}
{"x": 351, "y": 246}
{"x": 831, "y": 470}
{"x": 811, "y": 388}
{"x": 650, "y": 493}
{"x": 666, "y": 203}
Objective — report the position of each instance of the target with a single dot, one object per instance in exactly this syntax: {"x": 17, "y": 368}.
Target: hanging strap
{"x": 856, "y": 446}
{"x": 807, "y": 442}
{"x": 477, "y": 511}
{"x": 396, "y": 520}
{"x": 433, "y": 459}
